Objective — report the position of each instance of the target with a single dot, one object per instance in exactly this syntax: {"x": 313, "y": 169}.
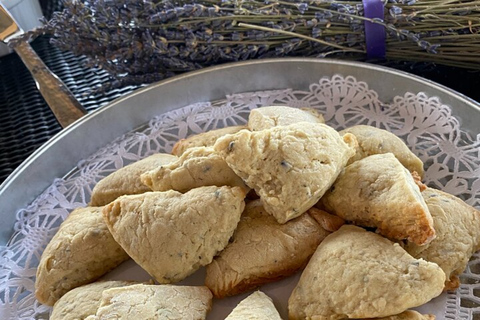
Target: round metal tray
{"x": 59, "y": 155}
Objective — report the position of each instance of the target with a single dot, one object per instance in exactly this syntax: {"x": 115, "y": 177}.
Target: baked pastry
{"x": 83, "y": 301}
{"x": 257, "y": 306}
{"x": 159, "y": 302}
{"x": 204, "y": 139}
{"x": 408, "y": 315}
{"x": 196, "y": 167}
{"x": 126, "y": 180}
{"x": 170, "y": 234}
{"x": 457, "y": 226}
{"x": 372, "y": 141}
{"x": 290, "y": 167}
{"x": 355, "y": 273}
{"x": 273, "y": 116}
{"x": 327, "y": 221}
{"x": 379, "y": 192}
{"x": 80, "y": 252}
{"x": 262, "y": 251}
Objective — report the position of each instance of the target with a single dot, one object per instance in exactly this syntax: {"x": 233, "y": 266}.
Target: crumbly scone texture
{"x": 290, "y": 167}
{"x": 408, "y": 315}
{"x": 257, "y": 306}
{"x": 373, "y": 140}
{"x": 126, "y": 180}
{"x": 360, "y": 274}
{"x": 457, "y": 226}
{"x": 170, "y": 234}
{"x": 196, "y": 167}
{"x": 155, "y": 302}
{"x": 81, "y": 251}
{"x": 262, "y": 251}
{"x": 274, "y": 116}
{"x": 379, "y": 192}
{"x": 204, "y": 139}
{"x": 79, "y": 303}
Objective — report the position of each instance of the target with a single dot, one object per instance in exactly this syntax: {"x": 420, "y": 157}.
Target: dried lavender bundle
{"x": 144, "y": 41}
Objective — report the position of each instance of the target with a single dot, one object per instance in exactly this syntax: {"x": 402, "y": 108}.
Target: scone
{"x": 379, "y": 192}
{"x": 408, "y": 315}
{"x": 257, "y": 306}
{"x": 80, "y": 252}
{"x": 83, "y": 301}
{"x": 273, "y": 116}
{"x": 355, "y": 273}
{"x": 204, "y": 139}
{"x": 327, "y": 221}
{"x": 126, "y": 180}
{"x": 372, "y": 141}
{"x": 290, "y": 167}
{"x": 159, "y": 302}
{"x": 262, "y": 250}
{"x": 196, "y": 167}
{"x": 457, "y": 226}
{"x": 170, "y": 234}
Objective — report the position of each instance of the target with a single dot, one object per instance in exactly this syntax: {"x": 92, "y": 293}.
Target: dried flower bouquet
{"x": 145, "y": 41}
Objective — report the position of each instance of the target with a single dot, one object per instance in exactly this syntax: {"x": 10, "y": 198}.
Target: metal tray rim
{"x": 17, "y": 179}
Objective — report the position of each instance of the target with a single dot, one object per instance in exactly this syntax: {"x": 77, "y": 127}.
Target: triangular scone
{"x": 379, "y": 192}
{"x": 196, "y": 167}
{"x": 355, "y": 273}
{"x": 373, "y": 140}
{"x": 81, "y": 251}
{"x": 274, "y": 116}
{"x": 204, "y": 139}
{"x": 170, "y": 234}
{"x": 257, "y": 306}
{"x": 262, "y": 250}
{"x": 457, "y": 226}
{"x": 159, "y": 302}
{"x": 290, "y": 167}
{"x": 408, "y": 315}
{"x": 83, "y": 301}
{"x": 126, "y": 180}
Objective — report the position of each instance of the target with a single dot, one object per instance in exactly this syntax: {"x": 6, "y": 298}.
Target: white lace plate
{"x": 451, "y": 157}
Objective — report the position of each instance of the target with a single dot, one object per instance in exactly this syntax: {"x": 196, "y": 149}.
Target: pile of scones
{"x": 255, "y": 204}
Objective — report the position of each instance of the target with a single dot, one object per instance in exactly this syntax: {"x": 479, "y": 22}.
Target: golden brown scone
{"x": 257, "y": 306}
{"x": 372, "y": 141}
{"x": 290, "y": 167}
{"x": 204, "y": 139}
{"x": 262, "y": 251}
{"x": 274, "y": 116}
{"x": 80, "y": 252}
{"x": 418, "y": 181}
{"x": 457, "y": 226}
{"x": 408, "y": 315}
{"x": 126, "y": 180}
{"x": 159, "y": 302}
{"x": 355, "y": 273}
{"x": 170, "y": 234}
{"x": 79, "y": 303}
{"x": 196, "y": 167}
{"x": 327, "y": 221}
{"x": 378, "y": 191}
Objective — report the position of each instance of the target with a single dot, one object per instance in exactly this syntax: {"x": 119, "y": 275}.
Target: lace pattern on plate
{"x": 451, "y": 157}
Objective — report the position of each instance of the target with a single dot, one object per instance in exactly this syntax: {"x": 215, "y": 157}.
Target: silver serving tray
{"x": 60, "y": 154}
